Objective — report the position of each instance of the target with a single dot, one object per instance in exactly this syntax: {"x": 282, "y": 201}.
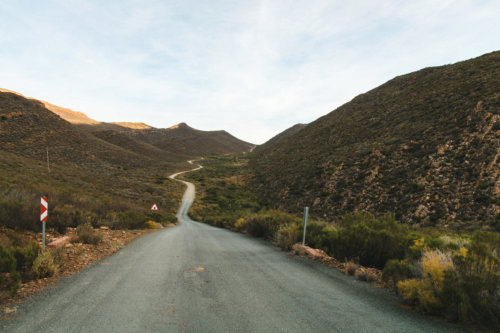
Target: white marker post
{"x": 44, "y": 212}
{"x": 306, "y": 213}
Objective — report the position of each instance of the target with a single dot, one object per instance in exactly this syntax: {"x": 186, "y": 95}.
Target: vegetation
{"x": 423, "y": 145}
{"x": 87, "y": 235}
{"x": 47, "y": 263}
{"x": 440, "y": 271}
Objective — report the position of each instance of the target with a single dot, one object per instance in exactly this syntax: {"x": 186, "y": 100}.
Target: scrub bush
{"x": 396, "y": 270}
{"x": 87, "y": 235}
{"x": 45, "y": 265}
{"x": 373, "y": 241}
{"x": 287, "y": 235}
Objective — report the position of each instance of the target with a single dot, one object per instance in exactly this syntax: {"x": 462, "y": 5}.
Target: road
{"x": 196, "y": 278}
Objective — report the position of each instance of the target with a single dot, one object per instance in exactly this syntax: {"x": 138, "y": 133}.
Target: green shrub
{"x": 7, "y": 260}
{"x": 371, "y": 240}
{"x": 287, "y": 235}
{"x": 267, "y": 223}
{"x": 130, "y": 220}
{"x": 25, "y": 256}
{"x": 471, "y": 290}
{"x": 87, "y": 235}
{"x": 396, "y": 270}
{"x": 45, "y": 265}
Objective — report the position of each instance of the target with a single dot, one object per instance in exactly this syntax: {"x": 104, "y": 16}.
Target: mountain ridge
{"x": 423, "y": 145}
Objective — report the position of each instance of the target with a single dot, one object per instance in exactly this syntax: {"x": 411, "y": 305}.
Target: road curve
{"x": 196, "y": 278}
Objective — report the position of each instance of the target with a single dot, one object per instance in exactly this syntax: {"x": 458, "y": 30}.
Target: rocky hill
{"x": 29, "y": 126}
{"x": 277, "y": 138}
{"x": 423, "y": 145}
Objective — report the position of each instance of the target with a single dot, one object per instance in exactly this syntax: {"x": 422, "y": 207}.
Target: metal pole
{"x": 306, "y": 212}
{"x": 43, "y": 235}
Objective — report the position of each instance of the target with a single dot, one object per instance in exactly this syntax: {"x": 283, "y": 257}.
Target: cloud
{"x": 253, "y": 68}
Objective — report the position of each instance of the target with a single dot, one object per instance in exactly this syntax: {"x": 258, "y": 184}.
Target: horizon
{"x": 251, "y": 69}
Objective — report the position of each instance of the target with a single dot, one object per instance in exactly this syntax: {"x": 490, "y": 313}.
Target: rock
{"x": 68, "y": 245}
{"x": 59, "y": 242}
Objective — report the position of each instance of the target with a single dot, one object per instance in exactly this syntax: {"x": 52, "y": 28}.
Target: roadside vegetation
{"x": 438, "y": 271}
{"x": 79, "y": 197}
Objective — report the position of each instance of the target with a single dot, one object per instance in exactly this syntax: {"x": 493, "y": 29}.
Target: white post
{"x": 306, "y": 213}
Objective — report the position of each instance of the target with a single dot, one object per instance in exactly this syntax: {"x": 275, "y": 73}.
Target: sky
{"x": 252, "y": 68}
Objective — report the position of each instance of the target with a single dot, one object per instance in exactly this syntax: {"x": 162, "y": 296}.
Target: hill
{"x": 423, "y": 145}
{"x": 277, "y": 138}
{"x": 28, "y": 128}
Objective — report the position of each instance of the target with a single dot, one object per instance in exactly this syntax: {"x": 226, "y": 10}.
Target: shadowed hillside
{"x": 423, "y": 145}
{"x": 27, "y": 128}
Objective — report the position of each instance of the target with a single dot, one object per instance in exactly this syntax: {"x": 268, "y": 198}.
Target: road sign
{"x": 154, "y": 207}
{"x": 44, "y": 209}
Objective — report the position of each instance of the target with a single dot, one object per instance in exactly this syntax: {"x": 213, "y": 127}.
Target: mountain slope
{"x": 277, "y": 138}
{"x": 27, "y": 128}
{"x": 423, "y": 145}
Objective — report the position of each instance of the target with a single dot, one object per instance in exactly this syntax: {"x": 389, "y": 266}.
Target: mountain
{"x": 28, "y": 128}
{"x": 76, "y": 136}
{"x": 277, "y": 138}
{"x": 423, "y": 145}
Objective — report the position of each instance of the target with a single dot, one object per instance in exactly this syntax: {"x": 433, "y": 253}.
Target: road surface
{"x": 196, "y": 278}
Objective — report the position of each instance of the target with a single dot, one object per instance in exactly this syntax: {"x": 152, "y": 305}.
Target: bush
{"x": 396, "y": 270}
{"x": 266, "y": 223}
{"x": 287, "y": 235}
{"x": 45, "y": 265}
{"x": 425, "y": 293}
{"x": 471, "y": 291}
{"x": 64, "y": 216}
{"x": 151, "y": 225}
{"x": 25, "y": 256}
{"x": 87, "y": 235}
{"x": 130, "y": 220}
{"x": 373, "y": 241}
{"x": 7, "y": 260}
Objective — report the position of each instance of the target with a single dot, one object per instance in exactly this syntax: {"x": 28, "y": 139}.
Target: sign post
{"x": 306, "y": 213}
{"x": 44, "y": 212}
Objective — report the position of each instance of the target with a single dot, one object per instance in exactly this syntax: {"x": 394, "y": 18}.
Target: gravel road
{"x": 196, "y": 278}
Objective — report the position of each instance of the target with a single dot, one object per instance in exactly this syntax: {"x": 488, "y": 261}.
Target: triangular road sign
{"x": 154, "y": 207}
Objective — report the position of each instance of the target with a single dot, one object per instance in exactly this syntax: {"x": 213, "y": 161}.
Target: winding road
{"x": 196, "y": 278}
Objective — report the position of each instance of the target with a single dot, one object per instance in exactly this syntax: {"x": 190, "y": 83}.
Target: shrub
{"x": 130, "y": 220}
{"x": 87, "y": 235}
{"x": 471, "y": 290}
{"x": 372, "y": 240}
{"x": 25, "y": 256}
{"x": 151, "y": 225}
{"x": 287, "y": 235}
{"x": 240, "y": 224}
{"x": 396, "y": 270}
{"x": 7, "y": 260}
{"x": 266, "y": 223}
{"x": 45, "y": 265}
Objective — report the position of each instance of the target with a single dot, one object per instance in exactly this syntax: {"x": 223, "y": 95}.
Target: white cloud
{"x": 252, "y": 68}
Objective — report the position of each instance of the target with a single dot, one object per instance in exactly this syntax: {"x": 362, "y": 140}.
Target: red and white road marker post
{"x": 44, "y": 212}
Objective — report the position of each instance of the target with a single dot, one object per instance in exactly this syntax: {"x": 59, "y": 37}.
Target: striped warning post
{"x": 44, "y": 209}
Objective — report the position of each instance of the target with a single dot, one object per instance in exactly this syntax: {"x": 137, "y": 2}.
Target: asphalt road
{"x": 196, "y": 278}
